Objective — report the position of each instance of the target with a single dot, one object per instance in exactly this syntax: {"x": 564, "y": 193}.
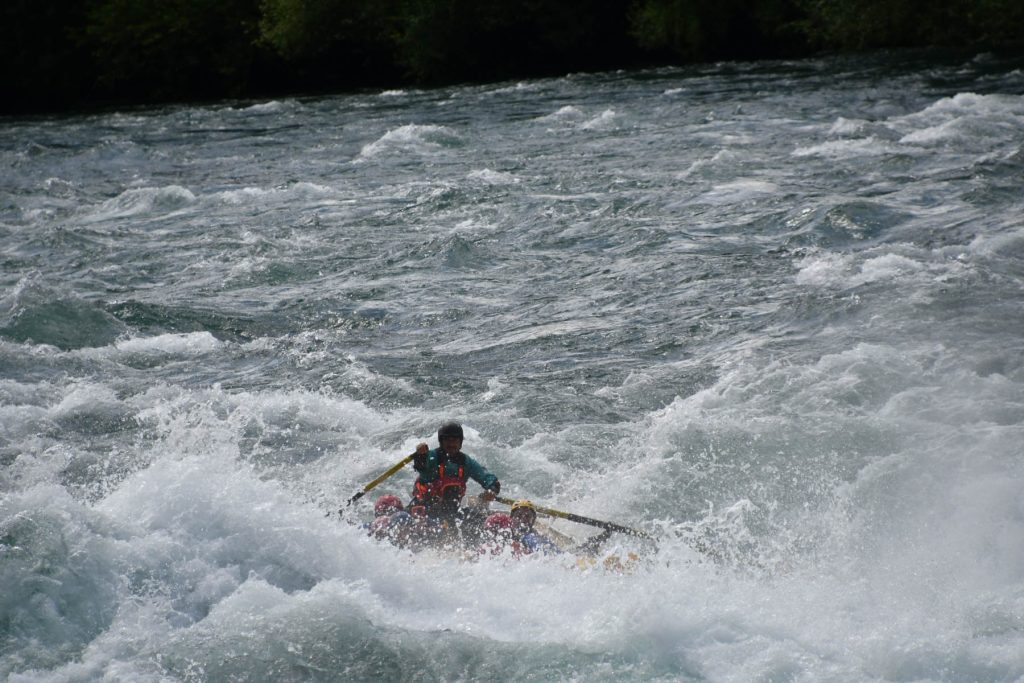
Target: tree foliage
{"x": 861, "y": 24}
{"x": 445, "y": 40}
{"x": 172, "y": 49}
{"x": 333, "y": 42}
{"x": 62, "y": 53}
{"x": 44, "y": 62}
{"x": 698, "y": 30}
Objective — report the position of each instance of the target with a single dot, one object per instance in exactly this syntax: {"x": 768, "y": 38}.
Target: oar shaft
{"x": 373, "y": 484}
{"x": 611, "y": 526}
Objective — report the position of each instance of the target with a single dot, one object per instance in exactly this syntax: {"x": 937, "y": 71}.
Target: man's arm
{"x": 480, "y": 475}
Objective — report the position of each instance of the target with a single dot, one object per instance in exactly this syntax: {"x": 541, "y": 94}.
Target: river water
{"x": 770, "y": 313}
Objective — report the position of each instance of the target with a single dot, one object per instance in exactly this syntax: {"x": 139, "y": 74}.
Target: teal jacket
{"x": 429, "y": 471}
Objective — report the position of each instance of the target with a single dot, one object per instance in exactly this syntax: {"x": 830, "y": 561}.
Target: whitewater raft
{"x": 477, "y": 532}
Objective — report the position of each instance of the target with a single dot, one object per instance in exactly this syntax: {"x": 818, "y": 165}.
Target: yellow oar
{"x": 611, "y": 526}
{"x": 369, "y": 487}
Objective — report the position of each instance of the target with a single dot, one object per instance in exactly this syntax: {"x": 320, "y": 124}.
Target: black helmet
{"x": 450, "y": 429}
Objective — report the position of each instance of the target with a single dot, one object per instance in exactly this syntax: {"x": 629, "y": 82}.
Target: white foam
{"x": 412, "y": 138}
{"x": 823, "y": 269}
{"x": 19, "y": 422}
{"x": 739, "y": 190}
{"x": 59, "y": 187}
{"x": 944, "y": 131}
{"x": 230, "y": 572}
{"x": 723, "y": 158}
{"x": 495, "y": 388}
{"x": 310, "y": 190}
{"x": 489, "y": 177}
{"x": 158, "y": 200}
{"x": 323, "y": 195}
{"x": 245, "y": 195}
{"x": 603, "y": 121}
{"x": 568, "y": 112}
{"x": 888, "y": 267}
{"x": 86, "y": 398}
{"x": 270, "y": 107}
{"x": 966, "y": 117}
{"x": 846, "y": 149}
{"x": 1009, "y": 241}
{"x": 971, "y": 103}
{"x": 184, "y": 344}
{"x": 520, "y": 87}
{"x": 847, "y": 127}
{"x": 906, "y": 268}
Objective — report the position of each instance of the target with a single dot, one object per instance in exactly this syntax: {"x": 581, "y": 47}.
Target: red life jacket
{"x": 445, "y": 487}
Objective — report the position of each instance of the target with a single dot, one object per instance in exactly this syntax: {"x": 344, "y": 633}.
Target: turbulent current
{"x": 771, "y": 314}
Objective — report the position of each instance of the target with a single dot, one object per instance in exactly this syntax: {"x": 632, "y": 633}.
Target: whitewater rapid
{"x": 770, "y": 313}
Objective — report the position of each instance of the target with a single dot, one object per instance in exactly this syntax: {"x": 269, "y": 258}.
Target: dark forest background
{"x": 70, "y": 54}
